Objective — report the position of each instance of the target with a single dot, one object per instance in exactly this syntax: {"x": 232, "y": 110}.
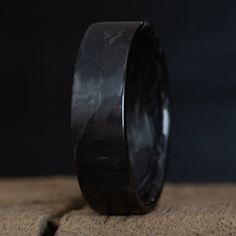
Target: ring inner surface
{"x": 146, "y": 115}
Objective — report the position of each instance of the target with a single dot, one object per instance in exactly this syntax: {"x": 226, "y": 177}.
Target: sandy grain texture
{"x": 54, "y": 206}
{"x": 33, "y": 206}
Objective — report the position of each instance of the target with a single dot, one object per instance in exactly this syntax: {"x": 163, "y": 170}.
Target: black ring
{"x": 120, "y": 117}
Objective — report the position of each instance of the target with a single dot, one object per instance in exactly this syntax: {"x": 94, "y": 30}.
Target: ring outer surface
{"x": 98, "y": 122}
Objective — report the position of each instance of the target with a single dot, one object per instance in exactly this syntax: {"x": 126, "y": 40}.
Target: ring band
{"x": 120, "y": 117}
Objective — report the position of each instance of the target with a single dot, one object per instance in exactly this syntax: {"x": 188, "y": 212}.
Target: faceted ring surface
{"x": 120, "y": 117}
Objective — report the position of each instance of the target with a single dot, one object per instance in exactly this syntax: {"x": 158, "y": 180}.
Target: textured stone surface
{"x": 182, "y": 210}
{"x": 54, "y": 206}
{"x": 32, "y": 206}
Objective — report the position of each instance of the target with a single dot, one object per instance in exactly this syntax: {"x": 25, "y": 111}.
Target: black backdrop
{"x": 38, "y": 49}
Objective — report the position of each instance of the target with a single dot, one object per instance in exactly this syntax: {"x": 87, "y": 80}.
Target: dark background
{"x": 38, "y": 49}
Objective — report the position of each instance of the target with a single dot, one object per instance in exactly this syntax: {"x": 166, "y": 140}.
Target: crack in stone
{"x": 53, "y": 223}
{"x": 51, "y": 228}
